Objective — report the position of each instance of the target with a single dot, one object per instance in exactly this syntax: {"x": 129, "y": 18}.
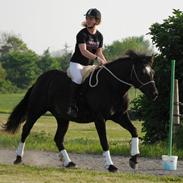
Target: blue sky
{"x": 52, "y": 23}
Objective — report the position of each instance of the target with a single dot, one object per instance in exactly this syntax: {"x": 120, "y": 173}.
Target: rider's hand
{"x": 101, "y": 61}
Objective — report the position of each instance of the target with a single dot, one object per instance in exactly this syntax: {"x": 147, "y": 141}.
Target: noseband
{"x": 121, "y": 81}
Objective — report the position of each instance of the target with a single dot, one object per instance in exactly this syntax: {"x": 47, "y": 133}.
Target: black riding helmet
{"x": 93, "y": 12}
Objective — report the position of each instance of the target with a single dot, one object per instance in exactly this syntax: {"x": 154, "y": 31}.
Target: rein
{"x": 118, "y": 79}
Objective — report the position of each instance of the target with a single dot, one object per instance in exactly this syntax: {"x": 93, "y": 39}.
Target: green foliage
{"x": 178, "y": 137}
{"x": 64, "y": 61}
{"x": 10, "y": 42}
{"x": 18, "y": 62}
{"x": 21, "y": 67}
{"x": 168, "y": 38}
{"x": 47, "y": 62}
{"x": 119, "y": 48}
{"x": 168, "y": 35}
{"x": 5, "y": 85}
{"x": 2, "y": 73}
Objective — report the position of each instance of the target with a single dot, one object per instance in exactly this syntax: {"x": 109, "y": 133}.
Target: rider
{"x": 89, "y": 42}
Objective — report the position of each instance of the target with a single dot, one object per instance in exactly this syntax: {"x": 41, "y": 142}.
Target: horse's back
{"x": 48, "y": 86}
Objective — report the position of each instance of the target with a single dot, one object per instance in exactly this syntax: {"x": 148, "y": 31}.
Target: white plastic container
{"x": 169, "y": 162}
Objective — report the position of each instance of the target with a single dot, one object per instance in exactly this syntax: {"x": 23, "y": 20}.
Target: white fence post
{"x": 176, "y": 118}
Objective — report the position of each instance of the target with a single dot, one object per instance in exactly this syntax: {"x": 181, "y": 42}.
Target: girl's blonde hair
{"x": 85, "y": 25}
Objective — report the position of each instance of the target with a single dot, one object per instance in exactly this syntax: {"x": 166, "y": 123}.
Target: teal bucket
{"x": 169, "y": 162}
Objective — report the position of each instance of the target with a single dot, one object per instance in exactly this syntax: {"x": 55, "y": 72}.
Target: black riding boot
{"x": 73, "y": 109}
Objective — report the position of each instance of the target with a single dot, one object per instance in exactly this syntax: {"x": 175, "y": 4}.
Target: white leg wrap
{"x": 65, "y": 156}
{"x": 20, "y": 149}
{"x": 107, "y": 159}
{"x": 135, "y": 146}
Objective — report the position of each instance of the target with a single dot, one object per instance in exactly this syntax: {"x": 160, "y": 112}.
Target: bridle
{"x": 137, "y": 78}
{"x": 133, "y": 71}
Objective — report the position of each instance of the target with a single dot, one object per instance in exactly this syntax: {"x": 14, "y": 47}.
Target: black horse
{"x": 108, "y": 100}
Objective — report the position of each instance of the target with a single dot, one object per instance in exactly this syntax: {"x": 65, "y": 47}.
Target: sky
{"x": 53, "y": 23}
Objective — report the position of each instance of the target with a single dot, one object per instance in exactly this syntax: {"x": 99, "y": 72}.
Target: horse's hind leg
{"x": 125, "y": 122}
{"x": 62, "y": 127}
{"x": 31, "y": 119}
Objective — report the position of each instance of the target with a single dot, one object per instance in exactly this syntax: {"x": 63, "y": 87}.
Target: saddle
{"x": 86, "y": 71}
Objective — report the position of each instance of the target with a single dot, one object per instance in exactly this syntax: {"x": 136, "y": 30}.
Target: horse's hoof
{"x": 112, "y": 168}
{"x": 18, "y": 160}
{"x": 133, "y": 161}
{"x": 71, "y": 165}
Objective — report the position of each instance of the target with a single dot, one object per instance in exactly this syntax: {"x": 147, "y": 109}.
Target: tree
{"x": 21, "y": 67}
{"x": 2, "y": 73}
{"x": 47, "y": 62}
{"x": 18, "y": 61}
{"x": 168, "y": 38}
{"x": 5, "y": 85}
{"x": 64, "y": 61}
{"x": 119, "y": 48}
{"x": 10, "y": 42}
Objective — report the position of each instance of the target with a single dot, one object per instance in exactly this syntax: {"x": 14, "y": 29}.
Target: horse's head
{"x": 142, "y": 74}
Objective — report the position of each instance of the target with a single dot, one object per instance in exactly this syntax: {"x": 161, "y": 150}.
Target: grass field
{"x": 9, "y": 101}
{"x": 81, "y": 138}
{"x": 28, "y": 174}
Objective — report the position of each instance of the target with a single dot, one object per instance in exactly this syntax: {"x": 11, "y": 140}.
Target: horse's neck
{"x": 123, "y": 71}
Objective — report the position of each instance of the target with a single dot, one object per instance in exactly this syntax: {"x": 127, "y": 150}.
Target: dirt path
{"x": 88, "y": 161}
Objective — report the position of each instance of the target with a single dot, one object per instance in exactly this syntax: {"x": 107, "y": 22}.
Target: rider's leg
{"x": 75, "y": 71}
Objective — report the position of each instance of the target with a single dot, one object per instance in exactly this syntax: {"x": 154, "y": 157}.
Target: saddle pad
{"x": 85, "y": 72}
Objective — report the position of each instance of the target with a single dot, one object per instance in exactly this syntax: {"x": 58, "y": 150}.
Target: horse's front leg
{"x": 101, "y": 130}
{"x": 125, "y": 122}
{"x": 62, "y": 127}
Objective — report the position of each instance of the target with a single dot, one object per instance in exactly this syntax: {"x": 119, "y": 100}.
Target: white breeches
{"x": 75, "y": 72}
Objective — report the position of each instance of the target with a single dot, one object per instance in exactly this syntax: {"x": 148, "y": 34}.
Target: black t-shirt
{"x": 93, "y": 42}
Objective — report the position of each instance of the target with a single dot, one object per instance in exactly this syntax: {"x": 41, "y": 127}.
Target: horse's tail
{"x": 18, "y": 115}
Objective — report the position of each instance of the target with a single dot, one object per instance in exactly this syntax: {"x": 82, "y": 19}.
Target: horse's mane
{"x": 133, "y": 54}
{"x": 129, "y": 55}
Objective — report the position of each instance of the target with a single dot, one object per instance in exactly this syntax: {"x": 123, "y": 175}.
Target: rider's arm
{"x": 100, "y": 54}
{"x": 90, "y": 55}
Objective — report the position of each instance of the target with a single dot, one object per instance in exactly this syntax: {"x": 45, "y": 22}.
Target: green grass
{"x": 8, "y": 101}
{"x": 81, "y": 138}
{"x": 29, "y": 174}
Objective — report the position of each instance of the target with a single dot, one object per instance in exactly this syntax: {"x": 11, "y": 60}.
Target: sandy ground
{"x": 88, "y": 161}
